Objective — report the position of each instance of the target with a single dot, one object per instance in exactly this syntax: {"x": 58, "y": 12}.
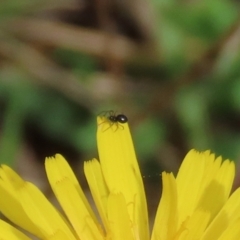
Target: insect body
{"x": 115, "y": 119}
{"x": 120, "y": 118}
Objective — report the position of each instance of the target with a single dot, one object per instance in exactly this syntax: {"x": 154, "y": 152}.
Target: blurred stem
{"x": 11, "y": 132}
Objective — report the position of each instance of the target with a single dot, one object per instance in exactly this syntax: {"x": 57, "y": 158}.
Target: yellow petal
{"x": 9, "y": 232}
{"x": 189, "y": 179}
{"x": 205, "y": 178}
{"x": 58, "y": 235}
{"x": 219, "y": 185}
{"x": 10, "y": 204}
{"x": 10, "y": 178}
{"x": 227, "y": 215}
{"x": 121, "y": 172}
{"x": 42, "y": 213}
{"x": 73, "y": 203}
{"x": 194, "y": 226}
{"x": 57, "y": 168}
{"x": 120, "y": 224}
{"x": 212, "y": 166}
{"x": 232, "y": 232}
{"x": 98, "y": 188}
{"x": 165, "y": 225}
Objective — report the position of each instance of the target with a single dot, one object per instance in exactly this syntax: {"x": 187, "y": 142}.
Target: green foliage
{"x": 51, "y": 113}
{"x": 191, "y": 107}
{"x": 81, "y": 64}
{"x": 148, "y": 137}
{"x": 202, "y": 110}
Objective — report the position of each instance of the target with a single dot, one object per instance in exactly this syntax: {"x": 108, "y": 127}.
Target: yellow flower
{"x": 194, "y": 205}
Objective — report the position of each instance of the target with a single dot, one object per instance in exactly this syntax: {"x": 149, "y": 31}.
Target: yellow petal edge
{"x": 195, "y": 204}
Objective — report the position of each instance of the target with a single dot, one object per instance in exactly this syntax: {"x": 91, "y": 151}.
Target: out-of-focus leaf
{"x": 227, "y": 145}
{"x": 82, "y": 64}
{"x": 235, "y": 94}
{"x": 206, "y": 19}
{"x": 192, "y": 108}
{"x": 85, "y": 138}
{"x": 179, "y": 24}
{"x": 12, "y": 8}
{"x": 148, "y": 137}
{"x": 17, "y": 105}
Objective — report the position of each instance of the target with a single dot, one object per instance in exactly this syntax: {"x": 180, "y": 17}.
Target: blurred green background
{"x": 173, "y": 67}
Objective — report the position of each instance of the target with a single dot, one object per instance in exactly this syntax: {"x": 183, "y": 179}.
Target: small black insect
{"x": 115, "y": 119}
{"x": 120, "y": 118}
